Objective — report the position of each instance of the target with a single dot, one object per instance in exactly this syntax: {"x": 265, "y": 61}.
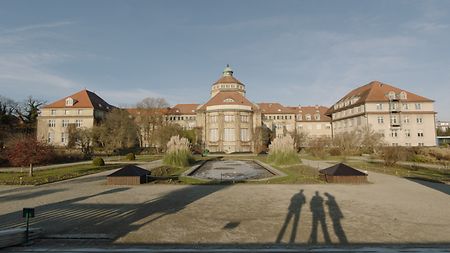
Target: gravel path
{"x": 390, "y": 210}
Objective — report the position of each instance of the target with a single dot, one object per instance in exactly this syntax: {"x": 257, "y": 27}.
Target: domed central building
{"x": 229, "y": 120}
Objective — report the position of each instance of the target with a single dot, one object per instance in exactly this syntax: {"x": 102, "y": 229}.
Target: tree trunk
{"x": 30, "y": 173}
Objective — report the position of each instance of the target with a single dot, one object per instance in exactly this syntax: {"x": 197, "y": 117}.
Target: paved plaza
{"x": 390, "y": 210}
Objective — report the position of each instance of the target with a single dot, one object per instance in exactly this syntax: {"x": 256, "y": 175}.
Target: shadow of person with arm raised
{"x": 294, "y": 210}
{"x": 318, "y": 216}
{"x": 336, "y": 216}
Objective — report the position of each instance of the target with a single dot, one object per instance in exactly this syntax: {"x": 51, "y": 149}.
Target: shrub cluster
{"x": 98, "y": 161}
{"x": 178, "y": 152}
{"x": 131, "y": 157}
{"x": 282, "y": 151}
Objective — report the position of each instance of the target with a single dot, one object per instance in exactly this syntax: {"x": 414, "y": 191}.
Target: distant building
{"x": 402, "y": 117}
{"x": 82, "y": 109}
{"x": 443, "y": 126}
{"x": 229, "y": 122}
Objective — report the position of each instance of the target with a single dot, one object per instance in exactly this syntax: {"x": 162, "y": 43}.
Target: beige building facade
{"x": 401, "y": 117}
{"x": 82, "y": 109}
{"x": 229, "y": 122}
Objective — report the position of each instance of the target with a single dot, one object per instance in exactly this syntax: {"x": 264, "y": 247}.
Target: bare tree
{"x": 28, "y": 112}
{"x": 118, "y": 131}
{"x": 318, "y": 146}
{"x": 300, "y": 138}
{"x": 369, "y": 140}
{"x": 81, "y": 138}
{"x": 150, "y": 119}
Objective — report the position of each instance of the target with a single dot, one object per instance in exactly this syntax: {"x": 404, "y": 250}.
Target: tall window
{"x": 244, "y": 118}
{"x": 65, "y": 122}
{"x": 213, "y": 134}
{"x": 63, "y": 137}
{"x": 380, "y": 120}
{"x": 78, "y": 122}
{"x": 418, "y": 106}
{"x": 407, "y": 133}
{"x": 393, "y": 119}
{"x": 229, "y": 134}
{"x": 379, "y": 107}
{"x": 213, "y": 118}
{"x": 405, "y": 106}
{"x": 53, "y": 112}
{"x": 419, "y": 120}
{"x": 245, "y": 134}
{"x": 420, "y": 133}
{"x": 229, "y": 118}
{"x": 406, "y": 119}
{"x": 51, "y": 123}
{"x": 50, "y": 137}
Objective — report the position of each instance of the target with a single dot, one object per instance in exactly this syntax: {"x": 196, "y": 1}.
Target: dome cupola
{"x": 227, "y": 83}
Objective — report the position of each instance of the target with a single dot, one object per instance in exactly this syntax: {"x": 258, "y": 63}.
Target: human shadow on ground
{"x": 336, "y": 215}
{"x": 108, "y": 216}
{"x": 317, "y": 208}
{"x": 294, "y": 210}
{"x": 318, "y": 216}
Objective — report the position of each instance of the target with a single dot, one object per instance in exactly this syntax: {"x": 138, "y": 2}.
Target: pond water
{"x": 231, "y": 170}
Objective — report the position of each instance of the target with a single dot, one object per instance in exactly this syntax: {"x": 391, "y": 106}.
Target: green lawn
{"x": 404, "y": 171}
{"x": 143, "y": 158}
{"x": 52, "y": 175}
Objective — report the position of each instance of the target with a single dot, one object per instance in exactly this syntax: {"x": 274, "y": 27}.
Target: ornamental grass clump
{"x": 178, "y": 152}
{"x": 282, "y": 151}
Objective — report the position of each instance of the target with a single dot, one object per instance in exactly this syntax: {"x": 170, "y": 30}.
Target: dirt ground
{"x": 389, "y": 210}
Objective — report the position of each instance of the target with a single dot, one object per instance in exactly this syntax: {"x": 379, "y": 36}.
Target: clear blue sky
{"x": 292, "y": 52}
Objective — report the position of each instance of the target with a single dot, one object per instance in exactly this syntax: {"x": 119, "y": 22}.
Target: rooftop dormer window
{"x": 70, "y": 101}
{"x": 402, "y": 95}
{"x": 391, "y": 95}
{"x": 228, "y": 100}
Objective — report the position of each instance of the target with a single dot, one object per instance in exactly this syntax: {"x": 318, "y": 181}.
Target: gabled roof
{"x": 376, "y": 91}
{"x": 228, "y": 98}
{"x": 228, "y": 79}
{"x": 184, "y": 109}
{"x": 130, "y": 171}
{"x": 274, "y": 108}
{"x": 311, "y": 110}
{"x": 147, "y": 111}
{"x": 341, "y": 169}
{"x": 83, "y": 99}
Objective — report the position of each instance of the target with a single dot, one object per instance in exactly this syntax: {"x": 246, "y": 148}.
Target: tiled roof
{"x": 83, "y": 99}
{"x": 130, "y": 171}
{"x": 228, "y": 98}
{"x": 147, "y": 111}
{"x": 183, "y": 109}
{"x": 341, "y": 169}
{"x": 311, "y": 110}
{"x": 274, "y": 108}
{"x": 376, "y": 91}
{"x": 228, "y": 79}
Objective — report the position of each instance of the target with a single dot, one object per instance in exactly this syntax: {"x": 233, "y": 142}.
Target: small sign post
{"x": 27, "y": 213}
